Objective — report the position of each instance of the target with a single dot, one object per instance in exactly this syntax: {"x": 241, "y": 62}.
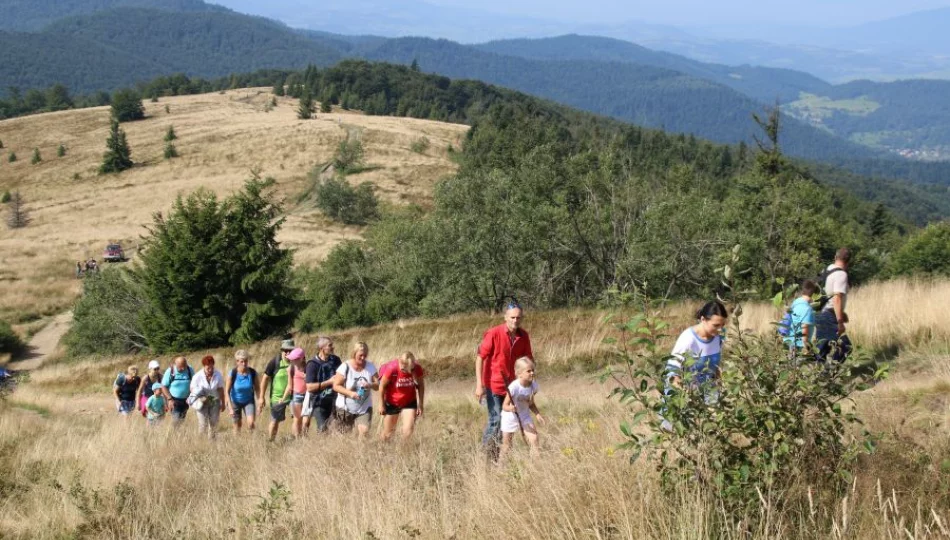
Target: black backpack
{"x": 250, "y": 370}
{"x": 822, "y": 279}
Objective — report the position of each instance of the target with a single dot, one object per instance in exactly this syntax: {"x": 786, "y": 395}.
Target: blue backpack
{"x": 785, "y": 325}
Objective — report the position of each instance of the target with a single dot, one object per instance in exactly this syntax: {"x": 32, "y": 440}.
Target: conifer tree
{"x": 170, "y": 150}
{"x": 118, "y": 156}
{"x": 325, "y": 106}
{"x": 170, "y": 134}
{"x": 305, "y": 110}
{"x": 61, "y": 151}
{"x": 279, "y": 87}
{"x": 18, "y": 216}
{"x": 127, "y": 106}
{"x": 12, "y": 157}
{"x": 36, "y": 157}
{"x": 1, "y": 144}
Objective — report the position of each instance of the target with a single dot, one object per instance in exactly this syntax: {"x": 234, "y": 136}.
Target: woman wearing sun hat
{"x": 144, "y": 392}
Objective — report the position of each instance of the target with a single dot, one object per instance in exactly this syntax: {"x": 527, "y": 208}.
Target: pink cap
{"x": 296, "y": 354}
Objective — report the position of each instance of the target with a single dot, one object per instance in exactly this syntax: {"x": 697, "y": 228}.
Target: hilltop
{"x": 222, "y": 137}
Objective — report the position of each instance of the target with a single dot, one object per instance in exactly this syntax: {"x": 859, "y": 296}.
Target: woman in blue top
{"x": 699, "y": 349}
{"x": 241, "y": 391}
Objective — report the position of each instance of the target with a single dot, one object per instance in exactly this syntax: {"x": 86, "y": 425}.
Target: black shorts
{"x": 278, "y": 411}
{"x": 389, "y": 408}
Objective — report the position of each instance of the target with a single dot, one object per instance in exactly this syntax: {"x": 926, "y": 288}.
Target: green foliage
{"x": 305, "y": 108}
{"x": 170, "y": 151}
{"x": 12, "y": 157}
{"x": 213, "y": 272}
{"x": 36, "y": 157}
{"x": 349, "y": 155}
{"x": 107, "y": 317}
{"x": 170, "y": 134}
{"x": 1, "y": 144}
{"x": 278, "y": 89}
{"x": 771, "y": 423}
{"x": 118, "y": 155}
{"x": 341, "y": 202}
{"x": 5, "y": 198}
{"x": 10, "y": 342}
{"x": 127, "y": 105}
{"x": 61, "y": 150}
{"x": 325, "y": 106}
{"x": 420, "y": 145}
{"x": 273, "y": 514}
{"x": 926, "y": 253}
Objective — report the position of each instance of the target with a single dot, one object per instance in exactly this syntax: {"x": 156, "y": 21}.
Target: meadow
{"x": 222, "y": 137}
{"x": 69, "y": 468}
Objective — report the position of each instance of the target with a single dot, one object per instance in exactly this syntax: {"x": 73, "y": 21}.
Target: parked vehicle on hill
{"x": 113, "y": 253}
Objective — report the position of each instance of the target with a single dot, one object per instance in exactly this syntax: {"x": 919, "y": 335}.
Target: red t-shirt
{"x": 498, "y": 353}
{"x": 400, "y": 386}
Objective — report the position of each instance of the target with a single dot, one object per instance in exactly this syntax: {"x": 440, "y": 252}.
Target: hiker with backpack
{"x": 176, "y": 386}
{"x": 830, "y": 324}
{"x": 298, "y": 389}
{"x": 207, "y": 396}
{"x": 321, "y": 398}
{"x": 124, "y": 388}
{"x": 354, "y": 383}
{"x": 402, "y": 387}
{"x": 797, "y": 328}
{"x": 699, "y": 350}
{"x": 144, "y": 392}
{"x": 241, "y": 391}
{"x": 277, "y": 377}
{"x": 495, "y": 370}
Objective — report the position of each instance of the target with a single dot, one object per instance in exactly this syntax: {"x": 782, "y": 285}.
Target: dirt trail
{"x": 44, "y": 343}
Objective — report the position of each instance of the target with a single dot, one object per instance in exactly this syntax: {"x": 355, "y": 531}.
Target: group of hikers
{"x": 88, "y": 267}
{"x": 337, "y": 394}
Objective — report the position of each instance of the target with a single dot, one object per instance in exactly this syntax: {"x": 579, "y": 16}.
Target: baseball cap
{"x": 296, "y": 354}
{"x": 156, "y": 387}
{"x": 154, "y": 364}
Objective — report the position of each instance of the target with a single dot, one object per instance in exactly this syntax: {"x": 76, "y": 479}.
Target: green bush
{"x": 36, "y": 157}
{"x": 106, "y": 319}
{"x": 10, "y": 342}
{"x": 420, "y": 145}
{"x": 342, "y": 202}
{"x": 5, "y": 198}
{"x": 928, "y": 253}
{"x": 127, "y": 105}
{"x": 61, "y": 150}
{"x": 170, "y": 151}
{"x": 349, "y": 156}
{"x": 170, "y": 134}
{"x": 12, "y": 157}
{"x": 777, "y": 422}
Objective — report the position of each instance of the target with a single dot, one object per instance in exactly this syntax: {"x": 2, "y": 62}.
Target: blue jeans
{"x": 491, "y": 437}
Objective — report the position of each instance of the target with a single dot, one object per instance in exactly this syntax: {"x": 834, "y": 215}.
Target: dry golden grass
{"x": 221, "y": 137}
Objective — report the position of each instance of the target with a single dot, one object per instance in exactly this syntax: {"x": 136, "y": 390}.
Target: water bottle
{"x": 361, "y": 393}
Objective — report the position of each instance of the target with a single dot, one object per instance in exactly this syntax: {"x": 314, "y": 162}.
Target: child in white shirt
{"x": 518, "y": 406}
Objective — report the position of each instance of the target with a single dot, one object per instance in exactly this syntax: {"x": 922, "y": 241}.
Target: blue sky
{"x": 707, "y": 12}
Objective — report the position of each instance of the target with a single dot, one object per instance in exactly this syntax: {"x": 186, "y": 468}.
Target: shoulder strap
{"x": 233, "y": 375}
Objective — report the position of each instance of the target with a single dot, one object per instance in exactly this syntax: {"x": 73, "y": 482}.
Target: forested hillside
{"x": 32, "y": 15}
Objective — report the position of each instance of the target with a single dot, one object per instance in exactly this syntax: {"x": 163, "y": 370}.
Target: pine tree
{"x": 127, "y": 106}
{"x": 415, "y": 65}
{"x": 18, "y": 216}
{"x": 279, "y": 87}
{"x": 325, "y": 106}
{"x": 61, "y": 151}
{"x": 305, "y": 110}
{"x": 170, "y": 150}
{"x": 36, "y": 157}
{"x": 118, "y": 156}
{"x": 12, "y": 157}
{"x": 170, "y": 134}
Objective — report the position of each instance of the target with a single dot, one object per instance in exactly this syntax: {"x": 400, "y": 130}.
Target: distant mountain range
{"x": 110, "y": 46}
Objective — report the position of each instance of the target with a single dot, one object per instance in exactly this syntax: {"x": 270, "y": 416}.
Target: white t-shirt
{"x": 521, "y": 396}
{"x": 352, "y": 380}
{"x": 706, "y": 355}
{"x": 836, "y": 283}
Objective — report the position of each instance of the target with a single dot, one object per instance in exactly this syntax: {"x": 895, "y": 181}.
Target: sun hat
{"x": 154, "y": 364}
{"x": 287, "y": 344}
{"x": 156, "y": 387}
{"x": 296, "y": 354}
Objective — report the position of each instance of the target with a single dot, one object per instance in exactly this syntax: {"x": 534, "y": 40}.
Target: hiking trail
{"x": 44, "y": 343}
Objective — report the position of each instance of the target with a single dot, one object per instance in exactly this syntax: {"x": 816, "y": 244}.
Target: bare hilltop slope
{"x": 221, "y": 139}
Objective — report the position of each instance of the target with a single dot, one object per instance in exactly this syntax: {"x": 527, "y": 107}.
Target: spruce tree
{"x": 118, "y": 156}
{"x": 12, "y": 157}
{"x": 18, "y": 216}
{"x": 36, "y": 157}
{"x": 170, "y": 134}
{"x": 61, "y": 151}
{"x": 170, "y": 150}
{"x": 305, "y": 110}
{"x": 279, "y": 87}
{"x": 127, "y": 106}
{"x": 325, "y": 106}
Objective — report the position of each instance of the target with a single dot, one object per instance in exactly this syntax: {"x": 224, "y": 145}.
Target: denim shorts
{"x": 125, "y": 407}
{"x": 298, "y": 398}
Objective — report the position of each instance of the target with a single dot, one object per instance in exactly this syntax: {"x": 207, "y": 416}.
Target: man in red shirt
{"x": 495, "y": 369}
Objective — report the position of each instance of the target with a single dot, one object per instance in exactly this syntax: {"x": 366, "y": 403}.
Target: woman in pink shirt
{"x": 298, "y": 385}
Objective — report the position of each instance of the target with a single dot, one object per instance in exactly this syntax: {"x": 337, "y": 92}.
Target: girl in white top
{"x": 354, "y": 383}
{"x": 207, "y": 396}
{"x": 518, "y": 406}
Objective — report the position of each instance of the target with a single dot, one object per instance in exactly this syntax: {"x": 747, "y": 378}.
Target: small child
{"x": 518, "y": 406}
{"x": 155, "y": 406}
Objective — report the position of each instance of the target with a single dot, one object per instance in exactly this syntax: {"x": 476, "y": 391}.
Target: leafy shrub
{"x": 12, "y": 157}
{"x": 344, "y": 203}
{"x": 773, "y": 422}
{"x": 420, "y": 145}
{"x": 10, "y": 342}
{"x": 36, "y": 157}
{"x": 127, "y": 105}
{"x": 61, "y": 150}
{"x": 926, "y": 253}
{"x": 5, "y": 198}
{"x": 106, "y": 319}
{"x": 349, "y": 156}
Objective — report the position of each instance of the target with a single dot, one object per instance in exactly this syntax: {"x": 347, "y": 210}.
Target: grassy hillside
{"x": 221, "y": 138}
